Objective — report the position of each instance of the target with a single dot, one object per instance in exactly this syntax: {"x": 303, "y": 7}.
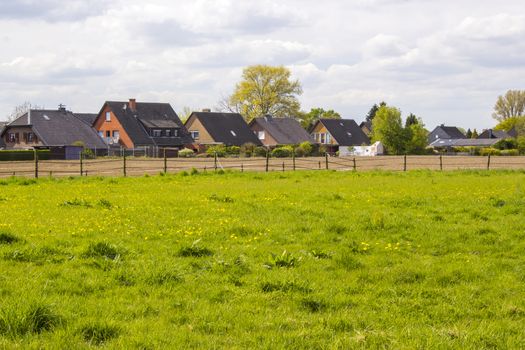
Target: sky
{"x": 445, "y": 61}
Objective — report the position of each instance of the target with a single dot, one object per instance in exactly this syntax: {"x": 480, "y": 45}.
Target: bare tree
{"x": 20, "y": 110}
{"x": 510, "y": 106}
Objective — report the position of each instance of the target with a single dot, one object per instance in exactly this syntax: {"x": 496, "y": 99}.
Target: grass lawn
{"x": 280, "y": 260}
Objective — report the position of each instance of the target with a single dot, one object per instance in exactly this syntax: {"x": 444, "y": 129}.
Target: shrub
{"x": 220, "y": 150}
{"x": 307, "y": 147}
{"x": 521, "y": 144}
{"x": 260, "y": 151}
{"x": 506, "y": 144}
{"x": 299, "y": 152}
{"x": 248, "y": 149}
{"x": 510, "y": 152}
{"x": 186, "y": 153}
{"x": 233, "y": 150}
{"x": 489, "y": 151}
{"x": 282, "y": 152}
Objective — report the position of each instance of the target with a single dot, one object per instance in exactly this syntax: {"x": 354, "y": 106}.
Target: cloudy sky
{"x": 446, "y": 61}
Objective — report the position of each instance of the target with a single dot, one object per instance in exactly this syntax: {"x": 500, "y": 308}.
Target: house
{"x": 2, "y": 126}
{"x": 210, "y": 128}
{"x": 131, "y": 124}
{"x": 449, "y": 144}
{"x": 39, "y": 128}
{"x": 443, "y": 132}
{"x": 366, "y": 126}
{"x": 337, "y": 133}
{"x": 279, "y": 131}
{"x": 494, "y": 134}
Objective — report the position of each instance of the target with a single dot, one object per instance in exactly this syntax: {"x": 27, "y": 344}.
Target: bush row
{"x": 251, "y": 150}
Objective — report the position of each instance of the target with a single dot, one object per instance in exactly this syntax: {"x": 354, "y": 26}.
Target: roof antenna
{"x": 29, "y": 115}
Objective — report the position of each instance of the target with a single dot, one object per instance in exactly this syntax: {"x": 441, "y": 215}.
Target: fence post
{"x": 354, "y": 165}
{"x": 326, "y": 160}
{"x": 215, "y": 161}
{"x": 267, "y": 159}
{"x": 488, "y": 162}
{"x": 319, "y": 165}
{"x": 124, "y": 164}
{"x": 441, "y": 162}
{"x": 165, "y": 162}
{"x": 293, "y": 160}
{"x": 405, "y": 163}
{"x": 242, "y": 168}
{"x": 81, "y": 164}
{"x": 283, "y": 167}
{"x": 36, "y": 164}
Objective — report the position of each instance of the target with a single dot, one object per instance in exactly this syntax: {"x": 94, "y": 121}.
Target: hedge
{"x": 12, "y": 155}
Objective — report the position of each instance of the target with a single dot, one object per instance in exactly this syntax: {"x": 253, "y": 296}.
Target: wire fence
{"x": 137, "y": 166}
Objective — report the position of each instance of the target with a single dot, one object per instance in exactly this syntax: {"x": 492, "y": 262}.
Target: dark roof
{"x": 285, "y": 131}
{"x": 346, "y": 132}
{"x": 513, "y": 132}
{"x": 59, "y": 128}
{"x": 88, "y": 118}
{"x": 227, "y": 128}
{"x": 494, "y": 134}
{"x": 452, "y": 132}
{"x": 367, "y": 124}
{"x": 2, "y": 125}
{"x": 149, "y": 115}
{"x": 463, "y": 142}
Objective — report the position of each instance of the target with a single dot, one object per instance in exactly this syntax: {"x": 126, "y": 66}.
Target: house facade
{"x": 49, "y": 128}
{"x": 333, "y": 133}
{"x": 274, "y": 132}
{"x": 209, "y": 128}
{"x": 443, "y": 132}
{"x": 131, "y": 124}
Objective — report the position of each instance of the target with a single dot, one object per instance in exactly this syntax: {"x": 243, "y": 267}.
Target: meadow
{"x": 295, "y": 260}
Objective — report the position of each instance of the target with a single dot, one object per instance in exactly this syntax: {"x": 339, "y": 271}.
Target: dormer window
{"x": 261, "y": 135}
{"x": 157, "y": 133}
{"x": 168, "y": 132}
{"x": 108, "y": 116}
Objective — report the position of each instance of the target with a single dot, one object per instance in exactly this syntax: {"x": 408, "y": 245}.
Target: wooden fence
{"x": 130, "y": 166}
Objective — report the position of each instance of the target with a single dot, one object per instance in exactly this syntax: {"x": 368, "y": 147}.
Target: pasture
{"x": 295, "y": 260}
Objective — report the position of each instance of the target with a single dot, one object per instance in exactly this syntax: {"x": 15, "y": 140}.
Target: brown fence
{"x": 130, "y": 166}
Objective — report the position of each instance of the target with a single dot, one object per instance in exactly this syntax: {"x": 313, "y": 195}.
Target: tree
{"x": 469, "y": 134}
{"x": 509, "y": 106}
{"x": 308, "y": 119}
{"x": 411, "y": 120}
{"x": 372, "y": 113}
{"x": 387, "y": 127}
{"x": 475, "y": 134}
{"x": 417, "y": 136}
{"x": 517, "y": 123}
{"x": 264, "y": 90}
{"x": 185, "y": 113}
{"x": 20, "y": 110}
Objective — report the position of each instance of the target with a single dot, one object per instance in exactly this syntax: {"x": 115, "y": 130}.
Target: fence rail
{"x": 132, "y": 166}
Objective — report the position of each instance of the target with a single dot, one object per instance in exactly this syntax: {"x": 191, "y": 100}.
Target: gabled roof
{"x": 346, "y": 132}
{"x": 148, "y": 115}
{"x": 88, "y": 118}
{"x": 2, "y": 125}
{"x": 494, "y": 134}
{"x": 285, "y": 131}
{"x": 451, "y": 131}
{"x": 227, "y": 128}
{"x": 59, "y": 128}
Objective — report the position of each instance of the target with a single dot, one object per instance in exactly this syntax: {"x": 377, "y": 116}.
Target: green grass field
{"x": 306, "y": 260}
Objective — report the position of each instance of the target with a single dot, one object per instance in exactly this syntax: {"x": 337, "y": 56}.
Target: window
{"x": 101, "y": 133}
{"x": 30, "y": 137}
{"x": 175, "y": 132}
{"x": 194, "y": 134}
{"x": 108, "y": 116}
{"x": 116, "y": 135}
{"x": 108, "y": 133}
{"x": 322, "y": 138}
{"x": 11, "y": 137}
{"x": 261, "y": 135}
{"x": 328, "y": 138}
{"x": 157, "y": 133}
{"x": 168, "y": 132}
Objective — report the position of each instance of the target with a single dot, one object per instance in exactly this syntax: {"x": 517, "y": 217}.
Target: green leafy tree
{"x": 509, "y": 106}
{"x": 475, "y": 134}
{"x": 265, "y": 90}
{"x": 308, "y": 119}
{"x": 469, "y": 134}
{"x": 387, "y": 127}
{"x": 417, "y": 136}
{"x": 508, "y": 124}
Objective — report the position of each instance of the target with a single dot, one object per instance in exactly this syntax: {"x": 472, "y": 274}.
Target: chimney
{"x": 206, "y": 110}
{"x": 268, "y": 117}
{"x": 62, "y": 107}
{"x": 132, "y": 104}
{"x": 442, "y": 125}
{"x": 490, "y": 134}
